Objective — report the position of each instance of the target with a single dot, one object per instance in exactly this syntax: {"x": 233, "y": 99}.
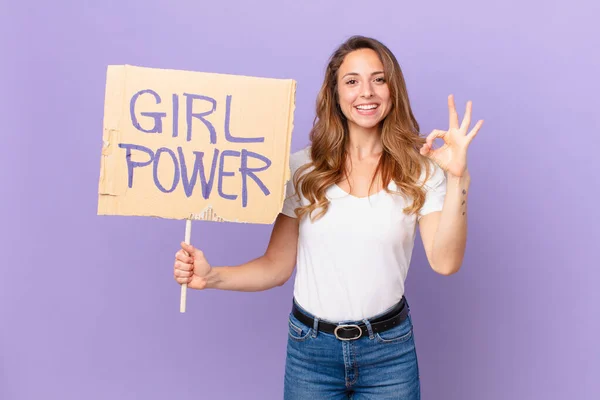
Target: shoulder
{"x": 299, "y": 158}
{"x": 296, "y": 160}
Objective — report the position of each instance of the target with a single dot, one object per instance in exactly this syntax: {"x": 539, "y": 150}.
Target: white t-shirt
{"x": 353, "y": 261}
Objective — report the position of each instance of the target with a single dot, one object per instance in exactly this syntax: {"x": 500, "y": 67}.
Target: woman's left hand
{"x": 452, "y": 155}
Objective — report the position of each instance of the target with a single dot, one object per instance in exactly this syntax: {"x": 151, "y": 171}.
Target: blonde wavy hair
{"x": 400, "y": 160}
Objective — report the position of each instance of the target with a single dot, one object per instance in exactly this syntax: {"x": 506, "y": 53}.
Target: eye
{"x": 351, "y": 82}
{"x": 380, "y": 79}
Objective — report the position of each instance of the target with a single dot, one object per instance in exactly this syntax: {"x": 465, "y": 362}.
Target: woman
{"x": 349, "y": 223}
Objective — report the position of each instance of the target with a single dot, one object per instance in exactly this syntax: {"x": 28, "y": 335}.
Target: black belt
{"x": 390, "y": 319}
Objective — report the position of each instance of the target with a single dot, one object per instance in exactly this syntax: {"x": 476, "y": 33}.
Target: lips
{"x": 367, "y": 108}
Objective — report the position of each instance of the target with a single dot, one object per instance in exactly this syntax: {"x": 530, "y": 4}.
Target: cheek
{"x": 388, "y": 109}
{"x": 346, "y": 100}
{"x": 388, "y": 104}
{"x": 387, "y": 100}
{"x": 344, "y": 97}
{"x": 384, "y": 94}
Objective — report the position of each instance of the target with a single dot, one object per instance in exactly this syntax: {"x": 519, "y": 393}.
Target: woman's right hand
{"x": 191, "y": 267}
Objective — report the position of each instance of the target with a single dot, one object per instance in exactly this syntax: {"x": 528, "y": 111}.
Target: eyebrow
{"x": 355, "y": 73}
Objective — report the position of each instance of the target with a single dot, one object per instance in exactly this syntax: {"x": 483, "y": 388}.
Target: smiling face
{"x": 363, "y": 93}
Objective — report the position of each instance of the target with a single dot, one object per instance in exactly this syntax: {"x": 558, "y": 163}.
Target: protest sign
{"x": 195, "y": 145}
{"x": 182, "y": 144}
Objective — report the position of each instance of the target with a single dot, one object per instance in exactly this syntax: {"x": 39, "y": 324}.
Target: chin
{"x": 369, "y": 123}
{"x": 369, "y": 126}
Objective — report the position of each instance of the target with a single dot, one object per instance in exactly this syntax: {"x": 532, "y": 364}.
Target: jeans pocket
{"x": 397, "y": 334}
{"x": 297, "y": 330}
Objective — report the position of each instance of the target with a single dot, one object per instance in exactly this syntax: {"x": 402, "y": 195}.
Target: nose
{"x": 367, "y": 90}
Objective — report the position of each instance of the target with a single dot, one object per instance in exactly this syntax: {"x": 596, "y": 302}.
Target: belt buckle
{"x": 335, "y": 332}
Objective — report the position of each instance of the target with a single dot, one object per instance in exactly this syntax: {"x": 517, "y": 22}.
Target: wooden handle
{"x": 188, "y": 234}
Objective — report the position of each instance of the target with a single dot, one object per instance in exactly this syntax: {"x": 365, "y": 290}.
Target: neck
{"x": 364, "y": 142}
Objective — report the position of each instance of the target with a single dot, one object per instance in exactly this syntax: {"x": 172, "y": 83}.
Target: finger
{"x": 183, "y": 257}
{"x": 188, "y": 248}
{"x": 183, "y": 267}
{"x": 466, "y": 122}
{"x": 436, "y": 133}
{"x": 474, "y": 131}
{"x": 425, "y": 149}
{"x": 182, "y": 274}
{"x": 183, "y": 280}
{"x": 453, "y": 115}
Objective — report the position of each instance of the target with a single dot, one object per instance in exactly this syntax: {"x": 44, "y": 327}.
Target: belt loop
{"x": 369, "y": 328}
{"x": 315, "y": 327}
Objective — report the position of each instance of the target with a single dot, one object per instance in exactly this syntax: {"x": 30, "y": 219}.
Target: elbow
{"x": 284, "y": 275}
{"x": 278, "y": 269}
{"x": 282, "y": 279}
{"x": 446, "y": 269}
{"x": 447, "y": 272}
{"x": 448, "y": 263}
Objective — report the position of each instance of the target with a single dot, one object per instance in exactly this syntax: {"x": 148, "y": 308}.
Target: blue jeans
{"x": 379, "y": 366}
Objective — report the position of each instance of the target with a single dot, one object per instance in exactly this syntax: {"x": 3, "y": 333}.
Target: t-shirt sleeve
{"x": 435, "y": 191}
{"x": 291, "y": 201}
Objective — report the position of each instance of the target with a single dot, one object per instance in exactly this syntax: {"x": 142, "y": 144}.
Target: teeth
{"x": 367, "y": 107}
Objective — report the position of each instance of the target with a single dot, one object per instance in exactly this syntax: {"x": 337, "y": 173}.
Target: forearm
{"x": 254, "y": 276}
{"x": 451, "y": 237}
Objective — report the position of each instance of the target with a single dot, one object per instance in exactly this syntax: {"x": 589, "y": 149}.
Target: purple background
{"x": 88, "y": 306}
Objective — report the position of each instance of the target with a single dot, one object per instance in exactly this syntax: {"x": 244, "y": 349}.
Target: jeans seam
{"x": 400, "y": 339}
{"x": 355, "y": 364}
{"x": 297, "y": 329}
{"x": 345, "y": 352}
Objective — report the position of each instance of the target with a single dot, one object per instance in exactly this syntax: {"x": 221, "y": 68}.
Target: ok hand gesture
{"x": 452, "y": 155}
